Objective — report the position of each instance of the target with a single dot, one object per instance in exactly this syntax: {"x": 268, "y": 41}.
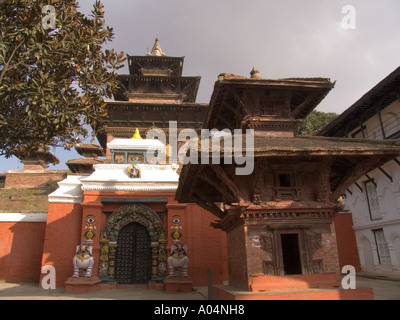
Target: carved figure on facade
{"x": 323, "y": 190}
{"x": 178, "y": 260}
{"x": 104, "y": 251}
{"x": 90, "y": 227}
{"x": 83, "y": 260}
{"x": 176, "y": 233}
{"x": 162, "y": 256}
{"x": 266, "y": 242}
{"x": 134, "y": 171}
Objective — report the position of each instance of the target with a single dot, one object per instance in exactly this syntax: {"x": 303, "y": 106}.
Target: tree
{"x": 315, "y": 122}
{"x": 53, "y": 77}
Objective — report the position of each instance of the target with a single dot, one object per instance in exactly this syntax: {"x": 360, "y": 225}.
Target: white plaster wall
{"x": 388, "y": 193}
{"x": 389, "y": 204}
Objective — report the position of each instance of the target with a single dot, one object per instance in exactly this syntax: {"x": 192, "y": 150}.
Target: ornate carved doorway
{"x": 133, "y": 246}
{"x": 133, "y": 256}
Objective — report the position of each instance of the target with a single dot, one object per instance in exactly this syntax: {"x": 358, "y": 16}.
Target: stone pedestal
{"x": 82, "y": 285}
{"x": 178, "y": 284}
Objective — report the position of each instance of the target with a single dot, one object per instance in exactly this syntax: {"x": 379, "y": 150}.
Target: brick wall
{"x": 328, "y": 251}
{"x": 63, "y": 233}
{"x": 346, "y": 241}
{"x": 207, "y": 247}
{"x": 33, "y": 179}
{"x": 237, "y": 257}
{"x": 21, "y": 248}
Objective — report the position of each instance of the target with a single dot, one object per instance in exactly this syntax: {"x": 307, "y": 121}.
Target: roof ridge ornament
{"x": 255, "y": 74}
{"x": 156, "y": 50}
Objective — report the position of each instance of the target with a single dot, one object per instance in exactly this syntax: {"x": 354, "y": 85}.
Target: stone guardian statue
{"x": 178, "y": 260}
{"x": 83, "y": 260}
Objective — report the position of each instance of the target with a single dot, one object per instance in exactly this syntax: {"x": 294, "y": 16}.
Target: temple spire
{"x": 156, "y": 50}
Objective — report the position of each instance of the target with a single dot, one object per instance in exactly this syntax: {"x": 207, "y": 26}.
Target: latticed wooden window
{"x": 373, "y": 202}
{"x": 382, "y": 247}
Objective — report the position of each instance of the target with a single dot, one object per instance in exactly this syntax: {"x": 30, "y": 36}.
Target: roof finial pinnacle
{"x": 157, "y": 51}
{"x": 136, "y": 135}
{"x": 255, "y": 74}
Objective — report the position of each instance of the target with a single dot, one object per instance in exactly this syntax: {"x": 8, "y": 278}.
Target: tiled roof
{"x": 304, "y": 145}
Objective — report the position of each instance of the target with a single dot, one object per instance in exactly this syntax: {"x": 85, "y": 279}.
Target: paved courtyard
{"x": 384, "y": 289}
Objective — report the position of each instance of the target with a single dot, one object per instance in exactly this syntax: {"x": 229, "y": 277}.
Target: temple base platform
{"x": 178, "y": 284}
{"x": 82, "y": 285}
{"x": 299, "y": 287}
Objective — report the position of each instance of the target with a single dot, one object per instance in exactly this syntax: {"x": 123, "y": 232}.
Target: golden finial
{"x": 136, "y": 135}
{"x": 157, "y": 51}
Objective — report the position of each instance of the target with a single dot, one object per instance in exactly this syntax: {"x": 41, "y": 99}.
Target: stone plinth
{"x": 82, "y": 285}
{"x": 178, "y": 284}
{"x": 304, "y": 281}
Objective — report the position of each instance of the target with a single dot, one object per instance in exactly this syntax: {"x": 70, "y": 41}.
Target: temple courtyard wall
{"x": 25, "y": 245}
{"x": 32, "y": 241}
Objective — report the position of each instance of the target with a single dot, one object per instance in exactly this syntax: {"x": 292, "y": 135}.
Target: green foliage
{"x": 52, "y": 80}
{"x": 315, "y": 122}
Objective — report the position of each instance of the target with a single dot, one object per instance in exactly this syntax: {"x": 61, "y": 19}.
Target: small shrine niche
{"x": 136, "y": 150}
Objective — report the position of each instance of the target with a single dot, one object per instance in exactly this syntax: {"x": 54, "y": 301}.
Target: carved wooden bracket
{"x": 354, "y": 173}
{"x": 225, "y": 180}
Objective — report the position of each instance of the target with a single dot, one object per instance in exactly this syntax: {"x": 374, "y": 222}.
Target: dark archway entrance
{"x": 133, "y": 256}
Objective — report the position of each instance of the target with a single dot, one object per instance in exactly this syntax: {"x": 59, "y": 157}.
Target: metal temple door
{"x": 133, "y": 257}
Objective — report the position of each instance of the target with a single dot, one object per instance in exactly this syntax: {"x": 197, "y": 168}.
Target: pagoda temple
{"x": 150, "y": 96}
{"x": 124, "y": 206}
{"x": 278, "y": 219}
{"x": 143, "y": 221}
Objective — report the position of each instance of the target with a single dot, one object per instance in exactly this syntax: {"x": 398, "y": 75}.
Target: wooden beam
{"x": 306, "y": 101}
{"x": 209, "y": 206}
{"x": 228, "y": 125}
{"x": 215, "y": 116}
{"x": 232, "y": 188}
{"x": 239, "y": 115}
{"x": 386, "y": 174}
{"x": 371, "y": 180}
{"x": 218, "y": 186}
{"x": 354, "y": 173}
{"x": 359, "y": 187}
{"x": 226, "y": 196}
{"x": 235, "y": 96}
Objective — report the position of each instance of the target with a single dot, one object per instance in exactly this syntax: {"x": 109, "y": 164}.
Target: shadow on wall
{"x": 23, "y": 249}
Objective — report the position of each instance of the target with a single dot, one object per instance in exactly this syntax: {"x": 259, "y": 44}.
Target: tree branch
{"x": 6, "y": 65}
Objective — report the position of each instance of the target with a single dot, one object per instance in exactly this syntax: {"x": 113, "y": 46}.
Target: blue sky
{"x": 282, "y": 38}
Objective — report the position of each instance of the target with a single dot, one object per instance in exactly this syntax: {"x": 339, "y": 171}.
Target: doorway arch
{"x": 149, "y": 220}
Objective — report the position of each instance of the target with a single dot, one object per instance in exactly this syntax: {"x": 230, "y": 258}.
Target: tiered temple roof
{"x": 273, "y": 108}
